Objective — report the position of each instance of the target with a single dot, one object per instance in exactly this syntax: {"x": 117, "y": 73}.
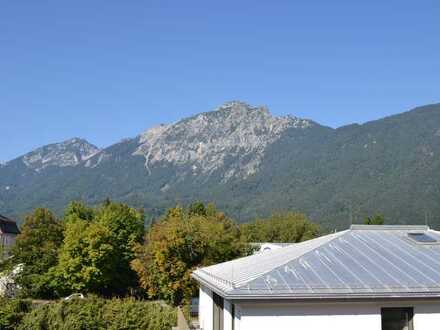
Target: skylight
{"x": 422, "y": 238}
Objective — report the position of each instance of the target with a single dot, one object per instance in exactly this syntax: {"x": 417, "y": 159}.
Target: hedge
{"x": 12, "y": 312}
{"x": 97, "y": 313}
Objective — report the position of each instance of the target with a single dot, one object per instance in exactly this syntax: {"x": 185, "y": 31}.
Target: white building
{"x": 365, "y": 278}
{"x": 265, "y": 246}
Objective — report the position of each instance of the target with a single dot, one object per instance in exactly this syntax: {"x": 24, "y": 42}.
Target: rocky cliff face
{"x": 208, "y": 141}
{"x": 250, "y": 164}
{"x": 68, "y": 153}
{"x": 202, "y": 144}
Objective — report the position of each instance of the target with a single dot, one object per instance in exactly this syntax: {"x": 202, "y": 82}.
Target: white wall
{"x": 336, "y": 316}
{"x": 427, "y": 316}
{"x": 206, "y": 308}
{"x": 309, "y": 317}
{"x": 331, "y": 316}
{"x": 206, "y": 311}
{"x": 227, "y": 315}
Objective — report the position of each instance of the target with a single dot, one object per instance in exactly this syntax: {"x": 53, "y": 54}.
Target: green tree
{"x": 127, "y": 227}
{"x": 178, "y": 244}
{"x": 377, "y": 219}
{"x": 78, "y": 210}
{"x": 37, "y": 248}
{"x": 197, "y": 208}
{"x": 97, "y": 251}
{"x": 282, "y": 228}
{"x": 86, "y": 259}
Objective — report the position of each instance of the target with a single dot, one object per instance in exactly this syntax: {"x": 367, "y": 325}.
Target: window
{"x": 218, "y": 311}
{"x": 397, "y": 318}
{"x": 422, "y": 238}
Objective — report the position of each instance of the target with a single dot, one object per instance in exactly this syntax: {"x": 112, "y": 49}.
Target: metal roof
{"x": 8, "y": 226}
{"x": 363, "y": 262}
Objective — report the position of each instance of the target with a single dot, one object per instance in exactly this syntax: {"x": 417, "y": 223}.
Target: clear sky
{"x": 105, "y": 70}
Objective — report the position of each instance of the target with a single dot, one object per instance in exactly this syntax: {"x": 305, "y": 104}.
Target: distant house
{"x": 266, "y": 246}
{"x": 364, "y": 278}
{"x": 8, "y": 233}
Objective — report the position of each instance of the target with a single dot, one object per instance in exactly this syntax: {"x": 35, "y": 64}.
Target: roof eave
{"x": 317, "y": 297}
{"x": 333, "y": 297}
{"x": 210, "y": 285}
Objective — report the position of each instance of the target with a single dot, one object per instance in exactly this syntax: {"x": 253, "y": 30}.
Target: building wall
{"x": 310, "y": 317}
{"x": 206, "y": 308}
{"x": 288, "y": 316}
{"x": 206, "y": 311}
{"x": 427, "y": 316}
{"x": 227, "y": 315}
{"x": 6, "y": 241}
{"x": 359, "y": 316}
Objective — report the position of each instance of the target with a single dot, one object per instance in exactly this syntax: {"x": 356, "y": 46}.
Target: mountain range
{"x": 250, "y": 164}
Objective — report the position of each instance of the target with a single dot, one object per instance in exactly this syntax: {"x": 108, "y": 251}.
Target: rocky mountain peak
{"x": 240, "y": 107}
{"x": 67, "y": 153}
{"x": 204, "y": 143}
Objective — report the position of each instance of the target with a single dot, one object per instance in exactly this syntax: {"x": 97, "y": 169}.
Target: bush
{"x": 12, "y": 312}
{"x": 135, "y": 315}
{"x": 97, "y": 313}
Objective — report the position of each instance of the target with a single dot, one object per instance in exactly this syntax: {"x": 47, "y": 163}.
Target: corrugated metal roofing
{"x": 8, "y": 226}
{"x": 365, "y": 261}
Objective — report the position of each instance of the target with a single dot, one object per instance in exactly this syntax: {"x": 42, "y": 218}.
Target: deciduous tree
{"x": 37, "y": 248}
{"x": 86, "y": 259}
{"x": 98, "y": 249}
{"x": 282, "y": 228}
{"x": 178, "y": 244}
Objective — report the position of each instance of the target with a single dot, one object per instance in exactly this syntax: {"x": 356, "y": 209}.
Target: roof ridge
{"x": 389, "y": 227}
{"x": 335, "y": 235}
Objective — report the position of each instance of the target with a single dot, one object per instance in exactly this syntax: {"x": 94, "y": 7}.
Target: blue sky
{"x": 105, "y": 70}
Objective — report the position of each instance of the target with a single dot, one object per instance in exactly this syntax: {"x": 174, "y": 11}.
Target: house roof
{"x": 362, "y": 262}
{"x": 8, "y": 226}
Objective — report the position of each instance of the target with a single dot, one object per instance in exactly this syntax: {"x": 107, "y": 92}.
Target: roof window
{"x": 422, "y": 238}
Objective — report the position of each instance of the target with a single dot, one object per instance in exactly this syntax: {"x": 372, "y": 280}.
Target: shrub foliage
{"x": 97, "y": 313}
{"x": 12, "y": 312}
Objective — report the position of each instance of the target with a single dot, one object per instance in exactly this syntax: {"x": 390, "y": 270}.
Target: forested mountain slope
{"x": 249, "y": 163}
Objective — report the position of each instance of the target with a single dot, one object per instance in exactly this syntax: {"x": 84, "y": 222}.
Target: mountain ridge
{"x": 417, "y": 108}
{"x": 250, "y": 163}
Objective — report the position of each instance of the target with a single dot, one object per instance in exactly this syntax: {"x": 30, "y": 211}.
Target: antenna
{"x": 350, "y": 213}
{"x": 427, "y": 218}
